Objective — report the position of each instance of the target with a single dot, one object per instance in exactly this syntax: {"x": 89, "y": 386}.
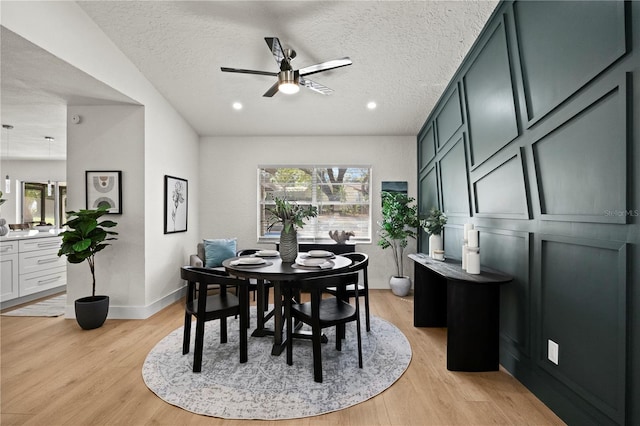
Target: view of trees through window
{"x": 39, "y": 204}
{"x": 341, "y": 195}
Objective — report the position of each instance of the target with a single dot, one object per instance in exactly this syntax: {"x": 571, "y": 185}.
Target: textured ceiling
{"x": 403, "y": 53}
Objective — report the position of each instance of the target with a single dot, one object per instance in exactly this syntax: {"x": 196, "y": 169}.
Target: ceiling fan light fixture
{"x": 288, "y": 82}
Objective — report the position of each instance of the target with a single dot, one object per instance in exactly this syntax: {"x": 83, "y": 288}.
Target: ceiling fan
{"x": 290, "y": 80}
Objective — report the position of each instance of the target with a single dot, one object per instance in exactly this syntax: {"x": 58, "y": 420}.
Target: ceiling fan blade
{"x": 276, "y": 49}
{"x": 325, "y": 66}
{"x": 239, "y": 70}
{"x": 316, "y": 87}
{"x": 272, "y": 91}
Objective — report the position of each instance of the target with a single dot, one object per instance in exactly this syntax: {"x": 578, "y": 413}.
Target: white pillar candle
{"x": 472, "y": 238}
{"x": 473, "y": 261}
{"x": 467, "y": 227}
{"x": 464, "y": 257}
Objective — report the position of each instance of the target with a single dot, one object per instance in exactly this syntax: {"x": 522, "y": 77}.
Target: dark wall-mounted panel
{"x": 508, "y": 251}
{"x": 501, "y": 193}
{"x": 428, "y": 198}
{"x": 581, "y": 166}
{"x": 453, "y": 241}
{"x": 426, "y": 146}
{"x": 428, "y": 192}
{"x": 563, "y": 45}
{"x": 583, "y": 310}
{"x": 455, "y": 187}
{"x": 450, "y": 118}
{"x": 490, "y": 103}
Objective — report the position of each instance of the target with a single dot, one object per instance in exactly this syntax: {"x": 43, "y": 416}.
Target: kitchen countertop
{"x": 30, "y": 234}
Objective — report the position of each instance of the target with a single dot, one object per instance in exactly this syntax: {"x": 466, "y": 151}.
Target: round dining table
{"x": 280, "y": 273}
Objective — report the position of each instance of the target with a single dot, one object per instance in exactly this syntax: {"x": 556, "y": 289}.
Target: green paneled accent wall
{"x": 565, "y": 161}
{"x": 455, "y": 187}
{"x": 563, "y": 45}
{"x": 536, "y": 142}
{"x": 501, "y": 192}
{"x": 450, "y": 118}
{"x": 427, "y": 146}
{"x": 489, "y": 96}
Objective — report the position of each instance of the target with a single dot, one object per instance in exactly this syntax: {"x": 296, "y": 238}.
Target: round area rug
{"x": 265, "y": 387}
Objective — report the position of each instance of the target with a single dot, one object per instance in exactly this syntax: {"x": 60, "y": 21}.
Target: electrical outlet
{"x": 552, "y": 351}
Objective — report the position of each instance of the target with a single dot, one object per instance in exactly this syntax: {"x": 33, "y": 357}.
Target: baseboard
{"x": 136, "y": 312}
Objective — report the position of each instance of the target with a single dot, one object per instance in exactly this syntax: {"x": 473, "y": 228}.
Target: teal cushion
{"x": 217, "y": 250}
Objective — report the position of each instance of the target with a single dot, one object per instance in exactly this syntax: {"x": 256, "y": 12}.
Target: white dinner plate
{"x": 319, "y": 253}
{"x": 248, "y": 261}
{"x": 311, "y": 261}
{"x": 268, "y": 253}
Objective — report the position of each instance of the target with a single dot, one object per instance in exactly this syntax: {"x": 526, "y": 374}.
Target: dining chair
{"x": 206, "y": 307}
{"x": 360, "y": 263}
{"x": 321, "y": 313}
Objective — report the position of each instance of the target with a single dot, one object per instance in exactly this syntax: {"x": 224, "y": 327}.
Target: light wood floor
{"x": 54, "y": 373}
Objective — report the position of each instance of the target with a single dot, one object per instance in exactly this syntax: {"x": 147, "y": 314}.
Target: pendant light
{"x": 7, "y": 181}
{"x": 49, "y": 185}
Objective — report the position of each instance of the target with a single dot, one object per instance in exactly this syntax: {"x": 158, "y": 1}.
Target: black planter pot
{"x": 91, "y": 312}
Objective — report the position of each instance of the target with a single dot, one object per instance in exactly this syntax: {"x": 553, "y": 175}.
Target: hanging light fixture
{"x": 49, "y": 185}
{"x": 288, "y": 82}
{"x": 7, "y": 181}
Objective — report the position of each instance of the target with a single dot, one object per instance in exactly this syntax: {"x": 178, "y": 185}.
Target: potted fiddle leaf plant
{"x": 399, "y": 223}
{"x": 291, "y": 216}
{"x": 85, "y": 237}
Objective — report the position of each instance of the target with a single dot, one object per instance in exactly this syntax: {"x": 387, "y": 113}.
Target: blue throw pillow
{"x": 215, "y": 251}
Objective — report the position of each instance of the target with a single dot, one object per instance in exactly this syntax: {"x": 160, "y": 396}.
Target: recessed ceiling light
{"x": 372, "y": 105}
{"x": 237, "y": 106}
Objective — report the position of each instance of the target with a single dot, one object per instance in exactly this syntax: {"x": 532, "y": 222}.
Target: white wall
{"x": 110, "y": 138}
{"x": 170, "y": 146}
{"x": 27, "y": 171}
{"x": 229, "y": 209}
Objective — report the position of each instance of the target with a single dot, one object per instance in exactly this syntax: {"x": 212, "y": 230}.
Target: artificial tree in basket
{"x": 82, "y": 240}
{"x": 399, "y": 223}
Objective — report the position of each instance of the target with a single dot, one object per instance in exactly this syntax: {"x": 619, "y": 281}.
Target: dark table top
{"x": 276, "y": 270}
{"x": 452, "y": 270}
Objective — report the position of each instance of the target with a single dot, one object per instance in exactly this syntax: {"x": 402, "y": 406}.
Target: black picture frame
{"x": 104, "y": 187}
{"x": 176, "y": 204}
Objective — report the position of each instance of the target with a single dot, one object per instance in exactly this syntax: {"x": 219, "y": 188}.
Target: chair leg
{"x": 358, "y": 331}
{"x": 244, "y": 323}
{"x": 186, "y": 337}
{"x": 366, "y": 310}
{"x": 359, "y": 342}
{"x": 316, "y": 337}
{"x": 317, "y": 353}
{"x": 340, "y": 334}
{"x": 223, "y": 330}
{"x": 197, "y": 356}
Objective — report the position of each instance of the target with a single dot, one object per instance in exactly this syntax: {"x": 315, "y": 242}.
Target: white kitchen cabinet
{"x": 31, "y": 265}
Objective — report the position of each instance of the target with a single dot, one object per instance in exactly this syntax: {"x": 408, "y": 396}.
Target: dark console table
{"x": 467, "y": 304}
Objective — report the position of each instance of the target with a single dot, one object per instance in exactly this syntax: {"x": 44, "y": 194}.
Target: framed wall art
{"x": 104, "y": 188}
{"x": 176, "y": 201}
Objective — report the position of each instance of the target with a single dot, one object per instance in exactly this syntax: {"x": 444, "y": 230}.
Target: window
{"x": 341, "y": 194}
{"x": 40, "y": 205}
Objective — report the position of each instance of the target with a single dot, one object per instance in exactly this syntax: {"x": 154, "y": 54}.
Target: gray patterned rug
{"x": 266, "y": 387}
